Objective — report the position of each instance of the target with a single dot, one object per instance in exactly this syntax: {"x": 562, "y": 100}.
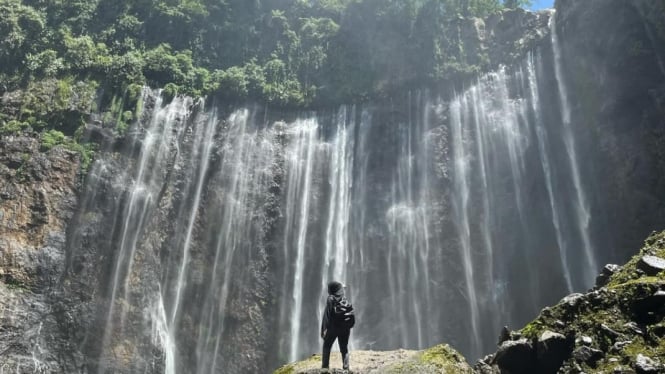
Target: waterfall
{"x": 300, "y": 164}
{"x": 408, "y": 225}
{"x": 582, "y": 205}
{"x": 495, "y": 124}
{"x": 244, "y": 173}
{"x": 218, "y": 229}
{"x": 543, "y": 148}
{"x": 145, "y": 186}
{"x": 490, "y": 139}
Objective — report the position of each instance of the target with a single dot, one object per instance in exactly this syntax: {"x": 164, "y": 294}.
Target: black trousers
{"x": 342, "y": 337}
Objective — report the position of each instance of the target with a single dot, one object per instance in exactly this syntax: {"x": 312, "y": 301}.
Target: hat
{"x": 335, "y": 288}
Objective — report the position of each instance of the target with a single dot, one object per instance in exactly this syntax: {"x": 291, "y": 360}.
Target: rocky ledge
{"x": 438, "y": 359}
{"x": 617, "y": 327}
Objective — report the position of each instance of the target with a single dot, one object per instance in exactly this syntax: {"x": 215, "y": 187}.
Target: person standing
{"x": 338, "y": 319}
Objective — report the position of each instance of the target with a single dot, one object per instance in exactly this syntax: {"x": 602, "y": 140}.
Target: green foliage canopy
{"x": 286, "y": 52}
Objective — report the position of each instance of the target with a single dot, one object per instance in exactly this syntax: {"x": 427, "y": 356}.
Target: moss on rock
{"x": 298, "y": 367}
{"x": 445, "y": 358}
{"x": 439, "y": 359}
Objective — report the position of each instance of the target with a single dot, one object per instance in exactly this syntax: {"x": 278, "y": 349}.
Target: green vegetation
{"x": 283, "y": 52}
{"x": 654, "y": 246}
{"x": 314, "y": 360}
{"x": 13, "y": 127}
{"x": 52, "y": 138}
{"x": 14, "y": 284}
{"x": 445, "y": 359}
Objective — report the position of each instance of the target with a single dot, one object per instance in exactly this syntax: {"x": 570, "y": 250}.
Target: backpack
{"x": 342, "y": 314}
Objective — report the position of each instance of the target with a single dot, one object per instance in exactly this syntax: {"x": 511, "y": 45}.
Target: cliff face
{"x": 614, "y": 60}
{"x": 38, "y": 197}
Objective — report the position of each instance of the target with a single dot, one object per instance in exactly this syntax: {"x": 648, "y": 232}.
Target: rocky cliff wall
{"x": 38, "y": 197}
{"x": 613, "y": 57}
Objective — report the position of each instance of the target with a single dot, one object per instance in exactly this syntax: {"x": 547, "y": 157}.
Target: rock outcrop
{"x": 616, "y": 327}
{"x": 38, "y": 196}
{"x": 438, "y": 359}
{"x": 614, "y": 60}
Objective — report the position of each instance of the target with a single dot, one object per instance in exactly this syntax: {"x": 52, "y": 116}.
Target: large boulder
{"x": 588, "y": 355}
{"x": 651, "y": 265}
{"x": 650, "y": 309}
{"x": 645, "y": 365}
{"x": 516, "y": 356}
{"x": 604, "y": 277}
{"x": 552, "y": 349}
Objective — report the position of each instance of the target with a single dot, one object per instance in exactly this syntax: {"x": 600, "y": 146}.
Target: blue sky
{"x": 541, "y": 4}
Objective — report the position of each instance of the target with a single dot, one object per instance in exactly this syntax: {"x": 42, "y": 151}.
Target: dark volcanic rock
{"x": 516, "y": 356}
{"x": 552, "y": 349}
{"x": 99, "y": 134}
{"x": 650, "y": 309}
{"x": 606, "y": 273}
{"x": 484, "y": 365}
{"x": 613, "y": 69}
{"x": 588, "y": 355}
{"x": 606, "y": 328}
{"x": 651, "y": 265}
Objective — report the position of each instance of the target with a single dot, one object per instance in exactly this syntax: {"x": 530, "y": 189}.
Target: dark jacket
{"x": 326, "y": 321}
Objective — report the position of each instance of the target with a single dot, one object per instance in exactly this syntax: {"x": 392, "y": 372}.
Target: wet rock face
{"x": 552, "y": 349}
{"x": 588, "y": 355}
{"x": 515, "y": 32}
{"x": 503, "y": 38}
{"x": 37, "y": 199}
{"x": 614, "y": 60}
{"x": 605, "y": 274}
{"x": 516, "y": 356}
{"x": 651, "y": 265}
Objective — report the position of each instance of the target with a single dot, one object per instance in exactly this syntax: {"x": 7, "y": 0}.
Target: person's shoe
{"x": 345, "y": 361}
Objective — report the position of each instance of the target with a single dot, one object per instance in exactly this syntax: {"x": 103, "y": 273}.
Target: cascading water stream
{"x": 245, "y": 170}
{"x": 582, "y": 205}
{"x": 493, "y": 124}
{"x": 341, "y": 171}
{"x": 202, "y": 144}
{"x": 544, "y": 151}
{"x": 301, "y": 161}
{"x": 153, "y": 152}
{"x": 408, "y": 223}
{"x": 461, "y": 204}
